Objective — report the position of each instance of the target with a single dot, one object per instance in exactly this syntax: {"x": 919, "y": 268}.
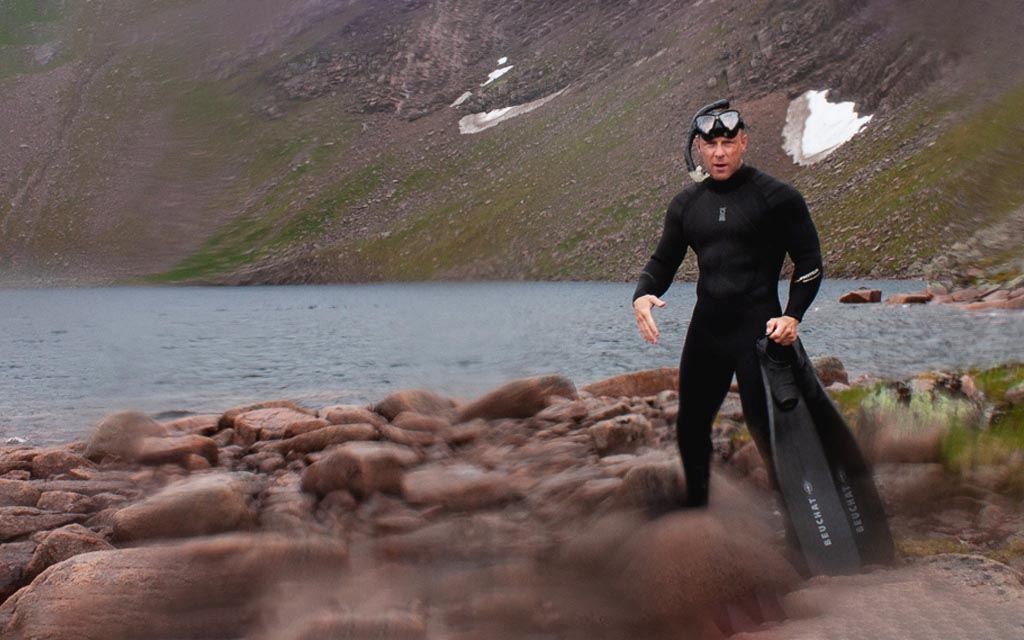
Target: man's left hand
{"x": 782, "y": 330}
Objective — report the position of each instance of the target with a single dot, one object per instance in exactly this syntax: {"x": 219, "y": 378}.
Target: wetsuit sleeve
{"x": 804, "y": 250}
{"x": 657, "y": 276}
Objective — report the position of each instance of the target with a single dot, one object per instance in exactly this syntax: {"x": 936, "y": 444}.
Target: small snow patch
{"x": 461, "y": 99}
{"x": 497, "y": 73}
{"x": 502, "y": 60}
{"x": 477, "y": 122}
{"x": 816, "y": 127}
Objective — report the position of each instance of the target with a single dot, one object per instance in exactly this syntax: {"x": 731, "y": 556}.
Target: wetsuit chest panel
{"x": 729, "y": 235}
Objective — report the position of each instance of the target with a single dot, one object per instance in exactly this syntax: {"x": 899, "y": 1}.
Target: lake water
{"x": 69, "y": 356}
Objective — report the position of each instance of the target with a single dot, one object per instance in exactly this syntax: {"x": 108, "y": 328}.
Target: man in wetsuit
{"x": 740, "y": 223}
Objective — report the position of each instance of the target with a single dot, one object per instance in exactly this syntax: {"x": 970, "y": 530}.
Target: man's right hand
{"x": 644, "y": 320}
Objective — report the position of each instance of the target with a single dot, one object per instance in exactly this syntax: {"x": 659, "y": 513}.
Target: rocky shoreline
{"x": 537, "y": 510}
{"x": 1007, "y": 296}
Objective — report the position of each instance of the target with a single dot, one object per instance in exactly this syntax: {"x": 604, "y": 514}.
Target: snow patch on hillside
{"x": 477, "y": 122}
{"x": 816, "y": 127}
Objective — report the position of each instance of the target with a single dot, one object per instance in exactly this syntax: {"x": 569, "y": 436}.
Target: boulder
{"x": 363, "y": 468}
{"x": 203, "y": 425}
{"x": 416, "y": 400}
{"x": 55, "y": 462}
{"x": 198, "y": 506}
{"x": 657, "y": 487}
{"x": 16, "y": 522}
{"x": 322, "y": 438}
{"x": 457, "y": 487}
{"x": 909, "y": 298}
{"x": 14, "y": 557}
{"x": 118, "y": 435}
{"x": 830, "y": 369}
{"x": 208, "y": 588}
{"x": 518, "y": 399}
{"x": 563, "y": 411}
{"x": 419, "y": 422}
{"x": 65, "y": 502}
{"x": 861, "y": 296}
{"x": 227, "y": 420}
{"x": 176, "y": 449}
{"x": 622, "y": 434}
{"x": 18, "y": 493}
{"x": 351, "y": 414}
{"x": 608, "y": 411}
{"x": 63, "y": 543}
{"x": 407, "y": 437}
{"x": 639, "y": 383}
{"x": 726, "y": 561}
{"x": 273, "y": 423}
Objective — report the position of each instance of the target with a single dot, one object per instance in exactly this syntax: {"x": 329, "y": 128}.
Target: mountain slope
{"x": 244, "y": 142}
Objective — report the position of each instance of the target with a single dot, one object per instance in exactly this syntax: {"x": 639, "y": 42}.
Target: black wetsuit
{"x": 740, "y": 229}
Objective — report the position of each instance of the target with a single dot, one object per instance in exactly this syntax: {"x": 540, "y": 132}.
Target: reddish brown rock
{"x": 203, "y": 425}
{"x": 457, "y": 487}
{"x": 518, "y": 399}
{"x": 563, "y": 411}
{"x": 351, "y": 414}
{"x": 419, "y": 422}
{"x": 407, "y": 437}
{"x": 227, "y": 420}
{"x": 55, "y": 462}
{"x": 415, "y": 400}
{"x": 65, "y": 502}
{"x": 363, "y": 468}
{"x": 18, "y": 493}
{"x": 273, "y": 423}
{"x": 465, "y": 433}
{"x": 623, "y": 434}
{"x": 747, "y": 459}
{"x": 201, "y": 505}
{"x": 322, "y": 438}
{"x": 63, "y": 543}
{"x": 861, "y": 296}
{"x": 14, "y": 557}
{"x": 909, "y": 298}
{"x": 640, "y": 383}
{"x": 607, "y": 412}
{"x": 206, "y": 588}
{"x": 16, "y": 522}
{"x": 969, "y": 294}
{"x": 830, "y": 370}
{"x": 176, "y": 449}
{"x": 118, "y": 435}
{"x": 657, "y": 487}
{"x": 725, "y": 561}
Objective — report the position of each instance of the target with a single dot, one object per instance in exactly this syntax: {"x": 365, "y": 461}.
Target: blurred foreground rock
{"x": 536, "y": 510}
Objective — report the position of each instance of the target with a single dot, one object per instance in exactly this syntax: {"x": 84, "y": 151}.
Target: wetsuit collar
{"x": 734, "y": 181}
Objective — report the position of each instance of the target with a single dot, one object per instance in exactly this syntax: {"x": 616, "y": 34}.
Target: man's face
{"x": 723, "y": 156}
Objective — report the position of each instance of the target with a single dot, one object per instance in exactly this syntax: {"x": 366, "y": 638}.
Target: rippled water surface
{"x": 71, "y": 355}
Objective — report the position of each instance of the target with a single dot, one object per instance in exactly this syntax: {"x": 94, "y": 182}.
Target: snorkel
{"x": 697, "y": 173}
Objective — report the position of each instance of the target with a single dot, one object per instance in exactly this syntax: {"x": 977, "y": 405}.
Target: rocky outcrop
{"x": 518, "y": 399}
{"x": 119, "y": 435}
{"x": 639, "y": 383}
{"x": 208, "y": 587}
{"x": 861, "y": 296}
{"x": 200, "y": 506}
